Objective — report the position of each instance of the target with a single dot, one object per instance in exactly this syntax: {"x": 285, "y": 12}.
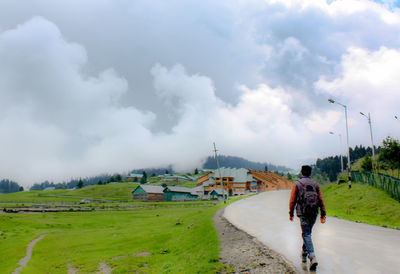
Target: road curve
{"x": 341, "y": 246}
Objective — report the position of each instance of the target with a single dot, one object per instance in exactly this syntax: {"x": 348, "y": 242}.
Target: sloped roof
{"x": 151, "y": 189}
{"x": 219, "y": 191}
{"x": 180, "y": 189}
{"x": 272, "y": 178}
{"x": 135, "y": 175}
{"x": 240, "y": 175}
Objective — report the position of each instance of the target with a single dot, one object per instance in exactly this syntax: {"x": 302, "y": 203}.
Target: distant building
{"x": 148, "y": 193}
{"x": 178, "y": 178}
{"x": 174, "y": 193}
{"x": 50, "y": 188}
{"x": 242, "y": 181}
{"x": 133, "y": 176}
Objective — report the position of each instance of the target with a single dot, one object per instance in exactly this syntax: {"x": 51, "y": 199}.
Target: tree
{"x": 143, "y": 180}
{"x": 153, "y": 175}
{"x": 21, "y": 188}
{"x": 80, "y": 183}
{"x": 390, "y": 153}
{"x": 265, "y": 168}
{"x": 289, "y": 176}
{"x": 118, "y": 177}
{"x": 100, "y": 182}
{"x": 196, "y": 171}
{"x": 367, "y": 163}
{"x": 166, "y": 171}
{"x": 135, "y": 179}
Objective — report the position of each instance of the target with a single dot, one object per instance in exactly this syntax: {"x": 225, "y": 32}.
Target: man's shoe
{"x": 313, "y": 263}
{"x": 303, "y": 257}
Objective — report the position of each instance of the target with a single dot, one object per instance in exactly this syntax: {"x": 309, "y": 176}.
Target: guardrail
{"x": 389, "y": 184}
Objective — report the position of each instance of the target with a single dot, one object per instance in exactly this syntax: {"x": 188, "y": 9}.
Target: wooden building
{"x": 148, "y": 193}
{"x": 174, "y": 193}
{"x": 218, "y": 194}
{"x": 265, "y": 181}
{"x": 134, "y": 177}
{"x": 241, "y": 181}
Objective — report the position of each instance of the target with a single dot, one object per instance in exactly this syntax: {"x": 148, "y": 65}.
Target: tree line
{"x": 8, "y": 186}
{"x": 387, "y": 158}
{"x": 238, "y": 162}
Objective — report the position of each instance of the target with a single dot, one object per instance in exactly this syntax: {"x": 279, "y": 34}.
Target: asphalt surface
{"x": 341, "y": 246}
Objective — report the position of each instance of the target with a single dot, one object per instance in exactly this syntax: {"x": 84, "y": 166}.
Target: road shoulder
{"x": 244, "y": 253}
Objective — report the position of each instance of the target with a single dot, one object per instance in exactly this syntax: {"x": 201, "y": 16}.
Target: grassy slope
{"x": 122, "y": 191}
{"x": 118, "y": 191}
{"x": 362, "y": 203}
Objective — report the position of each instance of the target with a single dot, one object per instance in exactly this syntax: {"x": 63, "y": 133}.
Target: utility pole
{"x": 341, "y": 146}
{"x": 219, "y": 171}
{"x": 347, "y": 138}
{"x": 372, "y": 139}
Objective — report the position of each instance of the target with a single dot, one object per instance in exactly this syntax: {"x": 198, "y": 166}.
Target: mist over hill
{"x": 238, "y": 162}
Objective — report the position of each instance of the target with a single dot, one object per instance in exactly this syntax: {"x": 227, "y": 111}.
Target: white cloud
{"x": 102, "y": 93}
{"x": 323, "y": 122}
{"x": 369, "y": 82}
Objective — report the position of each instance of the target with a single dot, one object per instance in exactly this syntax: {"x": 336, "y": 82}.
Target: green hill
{"x": 119, "y": 191}
{"x": 362, "y": 203}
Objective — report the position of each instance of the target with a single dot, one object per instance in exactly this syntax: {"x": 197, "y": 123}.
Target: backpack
{"x": 308, "y": 199}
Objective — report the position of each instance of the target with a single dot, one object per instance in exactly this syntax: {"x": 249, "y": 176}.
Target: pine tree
{"x": 80, "y": 183}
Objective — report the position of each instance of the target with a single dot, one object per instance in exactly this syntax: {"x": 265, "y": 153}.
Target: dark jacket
{"x": 293, "y": 202}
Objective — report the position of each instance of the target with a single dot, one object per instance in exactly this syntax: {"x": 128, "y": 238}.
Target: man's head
{"x": 306, "y": 171}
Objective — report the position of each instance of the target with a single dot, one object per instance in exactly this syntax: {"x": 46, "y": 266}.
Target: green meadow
{"x": 362, "y": 203}
{"x": 128, "y": 236}
{"x": 171, "y": 240}
{"x": 109, "y": 192}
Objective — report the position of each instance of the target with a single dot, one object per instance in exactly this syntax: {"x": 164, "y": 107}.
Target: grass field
{"x": 128, "y": 236}
{"x": 112, "y": 192}
{"x": 361, "y": 203}
{"x": 177, "y": 240}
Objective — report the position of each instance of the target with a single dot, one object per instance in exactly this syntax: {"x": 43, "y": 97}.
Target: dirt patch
{"x": 71, "y": 269}
{"x": 24, "y": 261}
{"x": 104, "y": 268}
{"x": 142, "y": 254}
{"x": 244, "y": 253}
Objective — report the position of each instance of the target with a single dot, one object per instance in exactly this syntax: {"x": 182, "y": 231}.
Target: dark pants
{"x": 306, "y": 229}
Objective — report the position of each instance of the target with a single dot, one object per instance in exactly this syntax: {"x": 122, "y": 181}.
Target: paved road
{"x": 341, "y": 246}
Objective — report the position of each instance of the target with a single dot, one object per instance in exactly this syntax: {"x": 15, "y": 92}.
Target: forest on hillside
{"x": 328, "y": 168}
{"x": 238, "y": 162}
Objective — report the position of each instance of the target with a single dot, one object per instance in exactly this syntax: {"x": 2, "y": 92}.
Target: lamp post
{"x": 347, "y": 138}
{"x": 341, "y": 146}
{"x": 372, "y": 139}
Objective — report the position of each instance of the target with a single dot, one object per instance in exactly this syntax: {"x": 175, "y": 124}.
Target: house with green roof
{"x": 174, "y": 193}
{"x": 148, "y": 193}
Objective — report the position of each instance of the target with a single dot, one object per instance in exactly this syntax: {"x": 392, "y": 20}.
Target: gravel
{"x": 244, "y": 253}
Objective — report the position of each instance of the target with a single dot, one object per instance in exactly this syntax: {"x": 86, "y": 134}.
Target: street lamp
{"x": 370, "y": 130}
{"x": 341, "y": 146}
{"x": 347, "y": 136}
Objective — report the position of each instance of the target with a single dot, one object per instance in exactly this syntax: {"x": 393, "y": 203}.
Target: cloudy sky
{"x": 104, "y": 86}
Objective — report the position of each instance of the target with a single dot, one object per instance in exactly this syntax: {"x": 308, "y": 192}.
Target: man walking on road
{"x": 307, "y": 198}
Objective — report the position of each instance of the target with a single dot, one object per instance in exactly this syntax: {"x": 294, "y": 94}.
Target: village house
{"x": 174, "y": 193}
{"x": 148, "y": 193}
{"x": 134, "y": 177}
{"x": 218, "y": 194}
{"x": 242, "y": 181}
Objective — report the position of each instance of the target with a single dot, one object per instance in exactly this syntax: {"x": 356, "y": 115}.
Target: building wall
{"x": 179, "y": 196}
{"x": 155, "y": 197}
{"x": 140, "y": 196}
